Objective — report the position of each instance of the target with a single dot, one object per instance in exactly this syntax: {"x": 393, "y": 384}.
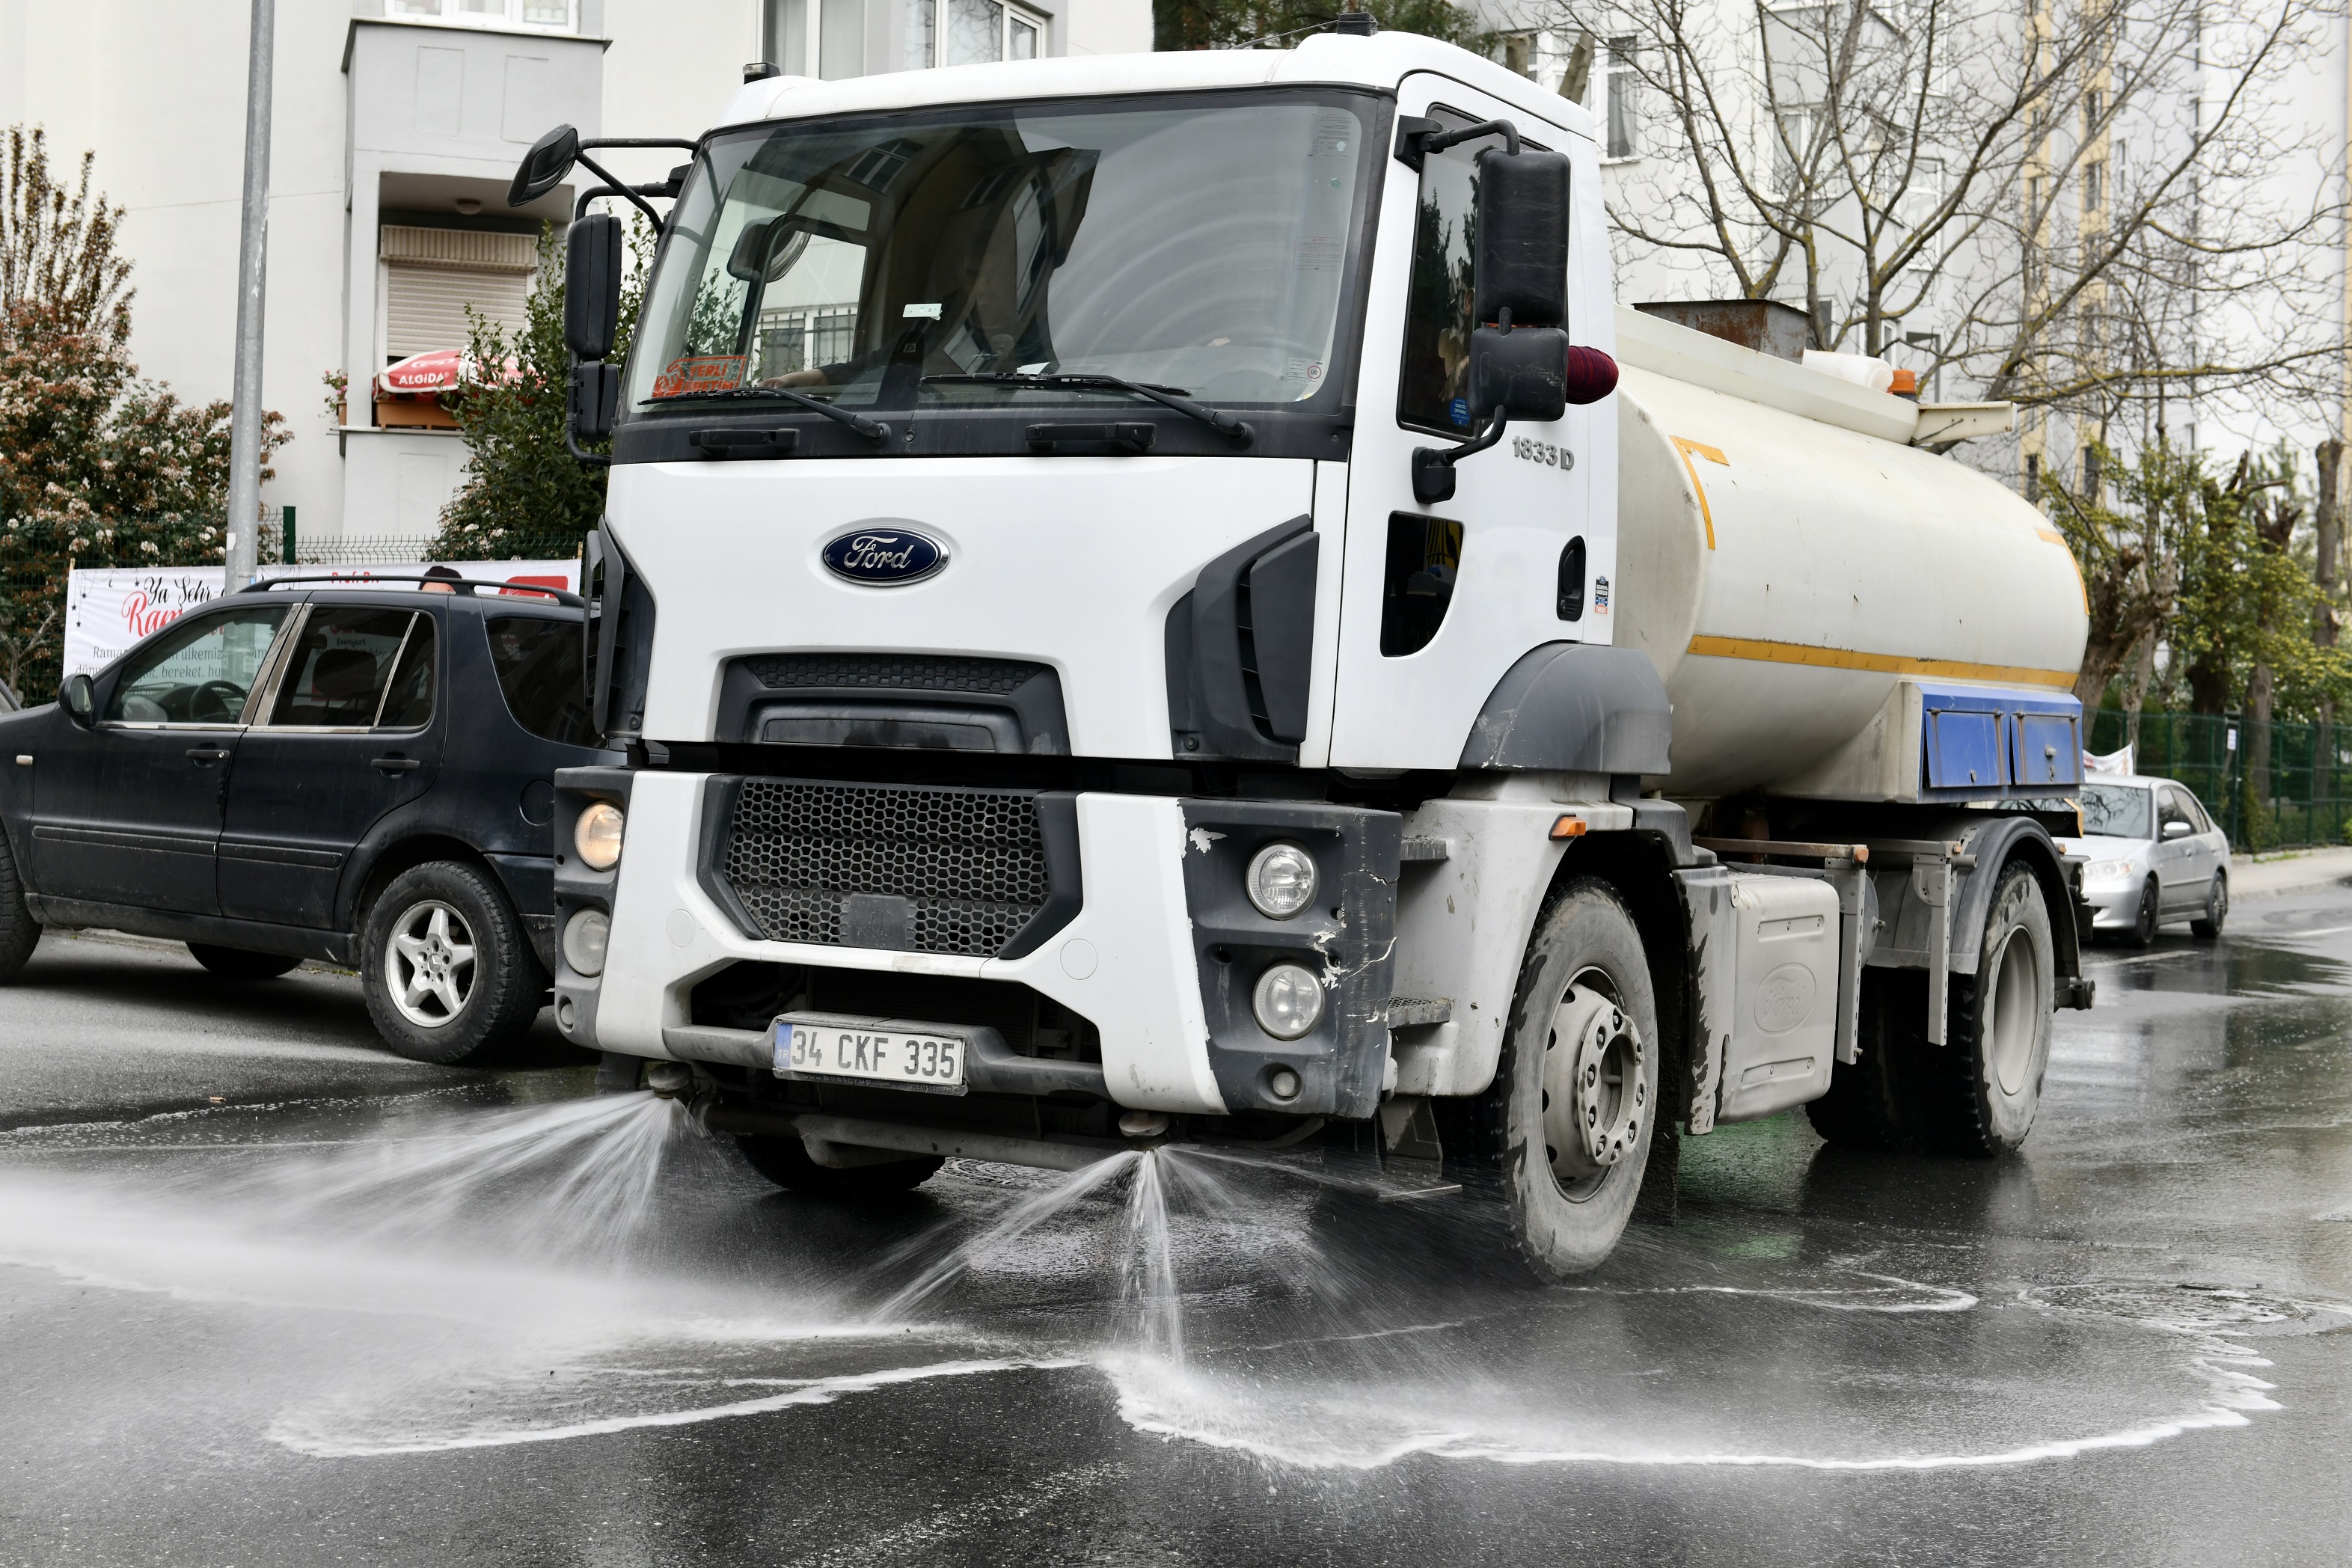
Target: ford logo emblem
{"x": 883, "y": 557}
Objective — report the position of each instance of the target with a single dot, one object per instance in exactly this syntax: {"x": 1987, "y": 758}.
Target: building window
{"x": 2094, "y": 186}
{"x": 431, "y": 276}
{"x": 817, "y": 38}
{"x": 554, "y": 14}
{"x": 971, "y": 32}
{"x": 1620, "y": 99}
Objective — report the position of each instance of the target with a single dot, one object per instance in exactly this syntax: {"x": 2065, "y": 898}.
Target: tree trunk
{"x": 2136, "y": 694}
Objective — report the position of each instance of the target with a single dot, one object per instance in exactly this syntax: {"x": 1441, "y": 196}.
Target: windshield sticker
{"x": 690, "y": 373}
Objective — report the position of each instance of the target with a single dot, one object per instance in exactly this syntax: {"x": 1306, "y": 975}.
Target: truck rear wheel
{"x": 1567, "y": 1122}
{"x": 784, "y": 1160}
{"x": 1978, "y": 1094}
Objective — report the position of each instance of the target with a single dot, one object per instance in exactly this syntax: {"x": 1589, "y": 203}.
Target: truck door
{"x": 1440, "y": 600}
{"x": 350, "y": 734}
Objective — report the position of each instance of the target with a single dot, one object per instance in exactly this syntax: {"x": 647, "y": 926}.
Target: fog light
{"x": 1282, "y": 1083}
{"x": 1288, "y": 1001}
{"x": 1281, "y": 881}
{"x": 597, "y": 836}
{"x": 584, "y": 936}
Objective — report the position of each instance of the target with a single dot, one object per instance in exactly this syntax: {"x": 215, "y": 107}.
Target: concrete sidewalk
{"x": 2252, "y": 877}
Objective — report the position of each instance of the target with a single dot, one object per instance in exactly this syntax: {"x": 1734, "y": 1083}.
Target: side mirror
{"x": 592, "y": 400}
{"x": 544, "y": 166}
{"x": 2175, "y": 828}
{"x": 79, "y": 699}
{"x": 1522, "y": 217}
{"x": 592, "y": 286}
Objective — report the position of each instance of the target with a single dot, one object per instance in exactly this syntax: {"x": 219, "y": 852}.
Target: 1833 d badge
{"x": 883, "y": 557}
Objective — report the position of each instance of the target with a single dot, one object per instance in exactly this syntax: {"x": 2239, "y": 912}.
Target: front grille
{"x": 891, "y": 672}
{"x": 930, "y": 870}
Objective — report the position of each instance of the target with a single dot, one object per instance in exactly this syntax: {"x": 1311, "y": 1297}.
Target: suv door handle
{"x": 394, "y": 764}
{"x": 203, "y": 755}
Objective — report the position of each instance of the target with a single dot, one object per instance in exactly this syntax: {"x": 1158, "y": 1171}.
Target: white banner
{"x": 110, "y": 608}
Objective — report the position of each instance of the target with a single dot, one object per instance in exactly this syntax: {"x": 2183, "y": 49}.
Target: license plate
{"x": 869, "y": 1052}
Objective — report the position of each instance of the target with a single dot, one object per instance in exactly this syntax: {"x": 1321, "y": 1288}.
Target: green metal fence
{"x": 33, "y": 583}
{"x": 2280, "y": 786}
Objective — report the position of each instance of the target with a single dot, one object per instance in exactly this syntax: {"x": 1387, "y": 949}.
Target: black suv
{"x": 361, "y": 775}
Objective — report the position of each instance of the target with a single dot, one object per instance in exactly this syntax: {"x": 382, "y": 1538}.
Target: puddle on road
{"x": 462, "y": 1277}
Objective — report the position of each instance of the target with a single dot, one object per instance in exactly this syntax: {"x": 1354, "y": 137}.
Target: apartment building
{"x": 396, "y": 126}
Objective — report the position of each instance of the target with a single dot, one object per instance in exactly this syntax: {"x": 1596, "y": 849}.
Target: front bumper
{"x": 2114, "y": 903}
{"x": 1129, "y": 953}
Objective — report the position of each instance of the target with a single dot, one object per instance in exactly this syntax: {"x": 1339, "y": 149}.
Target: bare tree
{"x": 2057, "y": 199}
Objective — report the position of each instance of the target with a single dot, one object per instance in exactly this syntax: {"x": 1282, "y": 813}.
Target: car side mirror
{"x": 592, "y": 286}
{"x": 2175, "y": 828}
{"x": 79, "y": 699}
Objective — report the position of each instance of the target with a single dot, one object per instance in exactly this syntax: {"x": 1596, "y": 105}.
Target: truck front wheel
{"x": 1567, "y": 1122}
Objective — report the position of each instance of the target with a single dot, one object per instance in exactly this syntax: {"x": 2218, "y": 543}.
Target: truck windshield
{"x": 1201, "y": 247}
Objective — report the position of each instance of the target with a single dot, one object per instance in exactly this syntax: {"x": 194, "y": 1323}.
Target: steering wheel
{"x": 216, "y": 701}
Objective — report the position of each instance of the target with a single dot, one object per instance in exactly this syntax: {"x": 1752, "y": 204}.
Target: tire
{"x": 2144, "y": 925}
{"x": 1566, "y": 1126}
{"x": 449, "y": 976}
{"x": 1976, "y": 1094}
{"x": 235, "y": 963}
{"x": 784, "y": 1160}
{"x": 2208, "y": 926}
{"x": 19, "y": 932}
{"x": 1864, "y": 1106}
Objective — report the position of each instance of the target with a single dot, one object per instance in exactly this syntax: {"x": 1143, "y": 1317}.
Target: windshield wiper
{"x": 1238, "y": 431}
{"x": 872, "y": 429}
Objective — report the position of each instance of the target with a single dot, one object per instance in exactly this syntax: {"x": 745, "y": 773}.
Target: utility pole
{"x": 244, "y": 519}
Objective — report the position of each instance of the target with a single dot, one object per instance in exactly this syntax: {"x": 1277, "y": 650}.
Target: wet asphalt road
{"x": 342, "y": 1316}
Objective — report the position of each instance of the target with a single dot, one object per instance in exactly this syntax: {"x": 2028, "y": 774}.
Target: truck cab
{"x": 1111, "y": 596}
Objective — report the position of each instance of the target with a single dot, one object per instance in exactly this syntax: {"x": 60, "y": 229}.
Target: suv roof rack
{"x": 469, "y": 586}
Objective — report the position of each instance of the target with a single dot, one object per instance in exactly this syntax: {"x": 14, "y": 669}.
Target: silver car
{"x": 2155, "y": 856}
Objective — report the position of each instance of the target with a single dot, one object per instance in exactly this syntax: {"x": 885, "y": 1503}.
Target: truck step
{"x": 1404, "y": 1012}
{"x": 1425, "y": 849}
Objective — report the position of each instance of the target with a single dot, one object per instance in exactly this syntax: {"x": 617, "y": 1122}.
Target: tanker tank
{"x": 1785, "y": 574}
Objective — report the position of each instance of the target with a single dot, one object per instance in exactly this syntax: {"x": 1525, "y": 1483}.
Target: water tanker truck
{"x": 1160, "y": 597}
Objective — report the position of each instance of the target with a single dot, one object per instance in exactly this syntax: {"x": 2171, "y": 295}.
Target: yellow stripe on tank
{"x": 1761, "y": 651}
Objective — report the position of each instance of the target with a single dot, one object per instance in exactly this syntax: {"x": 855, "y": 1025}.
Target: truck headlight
{"x": 585, "y": 937}
{"x": 1281, "y": 881}
{"x": 1288, "y": 1001}
{"x": 597, "y": 836}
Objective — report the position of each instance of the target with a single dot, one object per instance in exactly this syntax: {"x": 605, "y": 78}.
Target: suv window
{"x": 199, "y": 672}
{"x": 539, "y": 670}
{"x": 341, "y": 665}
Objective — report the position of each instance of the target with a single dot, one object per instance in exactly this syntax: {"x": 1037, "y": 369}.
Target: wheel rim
{"x": 2221, "y": 899}
{"x": 2015, "y": 1014}
{"x": 1596, "y": 1090}
{"x": 429, "y": 964}
{"x": 2148, "y": 910}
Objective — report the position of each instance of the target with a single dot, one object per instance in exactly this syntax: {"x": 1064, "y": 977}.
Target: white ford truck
{"x": 1160, "y": 598}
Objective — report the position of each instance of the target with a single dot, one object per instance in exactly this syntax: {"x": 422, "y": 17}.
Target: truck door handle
{"x": 200, "y": 755}
{"x": 394, "y": 764}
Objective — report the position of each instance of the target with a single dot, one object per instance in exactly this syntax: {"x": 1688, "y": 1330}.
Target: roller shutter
{"x": 434, "y": 274}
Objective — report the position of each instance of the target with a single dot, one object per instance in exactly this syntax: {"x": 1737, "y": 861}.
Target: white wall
{"x": 158, "y": 92}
